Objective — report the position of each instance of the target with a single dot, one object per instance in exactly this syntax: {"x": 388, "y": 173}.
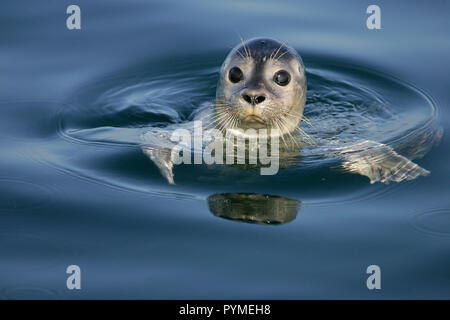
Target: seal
{"x": 262, "y": 84}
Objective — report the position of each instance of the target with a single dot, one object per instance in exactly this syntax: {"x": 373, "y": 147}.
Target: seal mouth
{"x": 253, "y": 118}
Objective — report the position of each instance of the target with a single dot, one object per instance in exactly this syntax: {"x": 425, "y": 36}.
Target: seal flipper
{"x": 379, "y": 162}
{"x": 162, "y": 159}
{"x": 158, "y": 148}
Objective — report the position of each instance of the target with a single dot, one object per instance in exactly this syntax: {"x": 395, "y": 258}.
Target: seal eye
{"x": 282, "y": 78}
{"x": 235, "y": 75}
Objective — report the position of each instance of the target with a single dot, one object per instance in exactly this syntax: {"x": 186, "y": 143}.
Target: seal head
{"x": 262, "y": 84}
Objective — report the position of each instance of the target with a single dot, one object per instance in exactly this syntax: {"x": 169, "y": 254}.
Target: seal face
{"x": 262, "y": 84}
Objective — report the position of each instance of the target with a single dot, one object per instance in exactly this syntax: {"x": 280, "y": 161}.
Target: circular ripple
{"x": 436, "y": 222}
{"x": 105, "y": 118}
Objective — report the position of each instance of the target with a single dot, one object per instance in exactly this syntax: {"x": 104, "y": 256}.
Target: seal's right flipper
{"x": 162, "y": 159}
{"x": 379, "y": 162}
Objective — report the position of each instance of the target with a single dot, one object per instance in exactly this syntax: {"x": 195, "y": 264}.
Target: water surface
{"x": 75, "y": 187}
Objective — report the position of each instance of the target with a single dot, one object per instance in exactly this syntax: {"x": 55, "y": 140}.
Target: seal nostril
{"x": 253, "y": 99}
{"x": 259, "y": 99}
{"x": 247, "y": 98}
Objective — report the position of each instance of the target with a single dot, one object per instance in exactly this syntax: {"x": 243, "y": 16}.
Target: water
{"x": 77, "y": 189}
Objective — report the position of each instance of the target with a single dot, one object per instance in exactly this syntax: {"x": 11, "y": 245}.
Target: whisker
{"x": 287, "y": 132}
{"x": 279, "y": 57}
{"x": 281, "y": 131}
{"x": 275, "y": 56}
{"x": 292, "y": 138}
{"x": 271, "y": 54}
{"x": 308, "y": 122}
{"x": 305, "y": 135}
{"x": 245, "y": 48}
{"x": 240, "y": 53}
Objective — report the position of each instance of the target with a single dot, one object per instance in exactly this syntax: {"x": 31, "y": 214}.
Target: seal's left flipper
{"x": 158, "y": 148}
{"x": 379, "y": 162}
{"x": 162, "y": 159}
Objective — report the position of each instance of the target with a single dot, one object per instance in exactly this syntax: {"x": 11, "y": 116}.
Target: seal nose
{"x": 253, "y": 97}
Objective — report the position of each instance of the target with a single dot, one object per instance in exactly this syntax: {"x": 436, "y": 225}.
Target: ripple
{"x": 435, "y": 222}
{"x": 19, "y": 195}
{"x": 28, "y": 293}
{"x": 107, "y": 117}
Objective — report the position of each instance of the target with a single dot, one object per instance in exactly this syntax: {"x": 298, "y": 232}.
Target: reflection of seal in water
{"x": 262, "y": 84}
{"x": 253, "y": 207}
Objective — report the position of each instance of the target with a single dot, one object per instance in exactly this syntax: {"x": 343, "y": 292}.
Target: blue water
{"x": 75, "y": 188}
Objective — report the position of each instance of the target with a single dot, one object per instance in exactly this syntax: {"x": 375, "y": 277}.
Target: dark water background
{"x": 71, "y": 195}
